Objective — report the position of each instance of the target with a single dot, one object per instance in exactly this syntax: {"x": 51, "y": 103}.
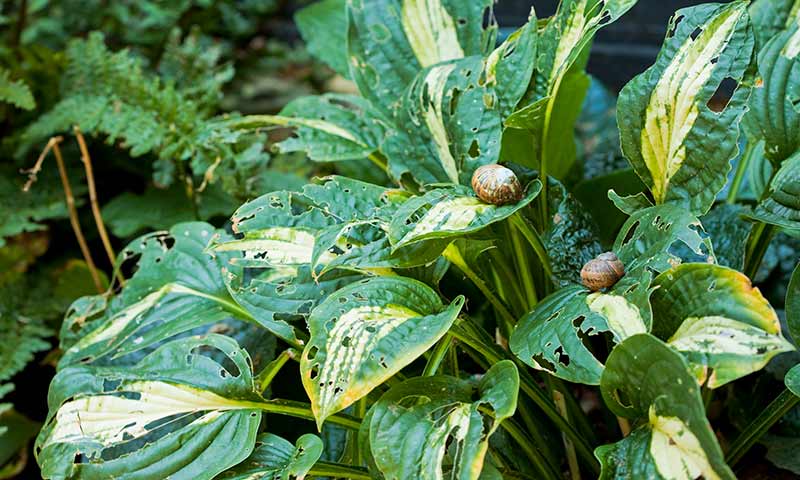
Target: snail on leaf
{"x": 497, "y": 185}
{"x": 603, "y": 271}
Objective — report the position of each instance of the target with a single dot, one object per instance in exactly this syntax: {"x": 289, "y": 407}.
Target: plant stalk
{"x": 535, "y": 241}
{"x": 536, "y": 457}
{"x": 523, "y": 269}
{"x": 303, "y": 410}
{"x": 572, "y": 458}
{"x": 98, "y": 217}
{"x": 741, "y": 170}
{"x": 468, "y": 334}
{"x": 338, "y": 470}
{"x": 437, "y": 355}
{"x": 759, "y": 426}
{"x": 757, "y": 246}
{"x": 265, "y": 377}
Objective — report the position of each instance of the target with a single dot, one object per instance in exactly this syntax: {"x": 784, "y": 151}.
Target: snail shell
{"x": 496, "y": 184}
{"x": 603, "y": 271}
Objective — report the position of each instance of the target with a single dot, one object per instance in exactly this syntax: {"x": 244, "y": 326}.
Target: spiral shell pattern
{"x": 603, "y": 271}
{"x": 496, "y": 184}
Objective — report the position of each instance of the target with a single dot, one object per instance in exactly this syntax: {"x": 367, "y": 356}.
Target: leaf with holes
{"x": 390, "y": 41}
{"x": 365, "y": 333}
{"x": 276, "y": 459}
{"x": 558, "y": 335}
{"x": 713, "y": 316}
{"x": 782, "y": 205}
{"x": 329, "y": 128}
{"x": 178, "y": 287}
{"x": 177, "y": 413}
{"x": 653, "y": 238}
{"x": 645, "y": 379}
{"x": 677, "y": 144}
{"x": 441, "y": 424}
{"x": 447, "y": 125}
{"x": 773, "y": 115}
{"x": 449, "y": 212}
{"x": 729, "y": 231}
{"x": 509, "y": 67}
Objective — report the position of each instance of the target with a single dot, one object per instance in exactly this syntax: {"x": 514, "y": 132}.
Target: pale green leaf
{"x": 366, "y": 332}
{"x": 677, "y": 144}
{"x": 323, "y": 26}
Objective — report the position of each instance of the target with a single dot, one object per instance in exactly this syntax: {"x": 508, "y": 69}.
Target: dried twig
{"x": 98, "y": 218}
{"x": 73, "y": 212}
{"x": 37, "y": 167}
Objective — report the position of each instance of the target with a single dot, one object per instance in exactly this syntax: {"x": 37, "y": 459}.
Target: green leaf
{"x": 646, "y": 379}
{"x": 156, "y": 209}
{"x": 714, "y": 316}
{"x": 275, "y": 458}
{"x": 15, "y": 92}
{"x": 365, "y": 333}
{"x": 21, "y": 335}
{"x": 792, "y": 380}
{"x": 792, "y": 305}
{"x": 447, "y": 124}
{"x": 571, "y": 236}
{"x": 177, "y": 287}
{"x": 593, "y": 195}
{"x": 177, "y": 413}
{"x": 679, "y": 146}
{"x": 729, "y": 231}
{"x": 782, "y": 206}
{"x": 772, "y": 114}
{"x": 323, "y": 26}
{"x": 449, "y": 212}
{"x": 16, "y": 431}
{"x": 770, "y": 17}
{"x": 440, "y": 423}
{"x": 390, "y": 41}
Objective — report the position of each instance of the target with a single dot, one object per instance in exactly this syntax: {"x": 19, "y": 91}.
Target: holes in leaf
{"x": 622, "y": 398}
{"x": 561, "y": 356}
{"x": 543, "y": 362}
{"x": 673, "y": 25}
{"x": 312, "y": 352}
{"x": 630, "y": 233}
{"x": 696, "y": 33}
{"x": 455, "y": 95}
{"x": 474, "y": 149}
{"x": 722, "y": 96}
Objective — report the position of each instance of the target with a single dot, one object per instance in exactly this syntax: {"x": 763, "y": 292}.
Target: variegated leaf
{"x": 366, "y": 332}
{"x": 722, "y": 324}
{"x": 177, "y": 287}
{"x": 782, "y": 205}
{"x": 449, "y": 212}
{"x": 276, "y": 459}
{"x": 447, "y": 125}
{"x": 644, "y": 378}
{"x": 556, "y": 336}
{"x": 677, "y": 144}
{"x": 442, "y": 434}
{"x": 390, "y": 41}
{"x": 328, "y": 128}
{"x": 175, "y": 414}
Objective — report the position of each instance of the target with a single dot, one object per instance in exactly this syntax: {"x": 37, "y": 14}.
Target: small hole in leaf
{"x": 696, "y": 33}
{"x": 719, "y": 101}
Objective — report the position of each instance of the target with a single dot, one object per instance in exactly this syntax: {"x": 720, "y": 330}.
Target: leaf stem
{"x": 572, "y": 459}
{"x": 472, "y": 336}
{"x": 523, "y": 268}
{"x": 265, "y": 377}
{"x": 759, "y": 426}
{"x": 437, "y": 355}
{"x": 741, "y": 169}
{"x": 756, "y": 248}
{"x": 536, "y": 457}
{"x": 303, "y": 410}
{"x": 534, "y": 240}
{"x": 338, "y": 470}
{"x": 453, "y": 255}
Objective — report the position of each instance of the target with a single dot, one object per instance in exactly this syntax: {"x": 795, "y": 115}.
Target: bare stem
{"x": 98, "y": 218}
{"x": 33, "y": 172}
{"x": 73, "y": 212}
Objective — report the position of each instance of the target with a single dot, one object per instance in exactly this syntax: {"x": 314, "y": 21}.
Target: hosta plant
{"x": 441, "y": 326}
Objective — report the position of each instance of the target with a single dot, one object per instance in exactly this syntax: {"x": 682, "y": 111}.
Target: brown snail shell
{"x": 496, "y": 184}
{"x": 603, "y": 271}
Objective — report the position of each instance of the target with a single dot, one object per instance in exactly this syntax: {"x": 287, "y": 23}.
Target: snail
{"x": 496, "y": 184}
{"x": 603, "y": 271}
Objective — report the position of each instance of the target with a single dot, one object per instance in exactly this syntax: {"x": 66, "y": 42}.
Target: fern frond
{"x": 16, "y": 92}
{"x": 21, "y": 337}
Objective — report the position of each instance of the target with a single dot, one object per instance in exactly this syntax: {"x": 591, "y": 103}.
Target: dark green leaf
{"x": 323, "y": 26}
{"x": 792, "y": 305}
{"x": 782, "y": 206}
{"x": 275, "y": 459}
{"x": 729, "y": 232}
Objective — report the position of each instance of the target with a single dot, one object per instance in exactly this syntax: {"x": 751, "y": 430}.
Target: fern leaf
{"x": 16, "y": 92}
